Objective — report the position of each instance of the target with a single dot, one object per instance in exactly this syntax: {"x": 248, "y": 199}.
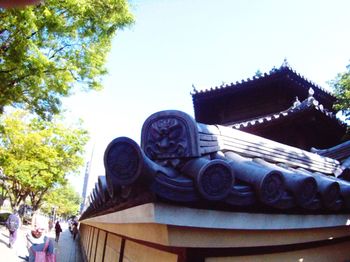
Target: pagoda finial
{"x": 311, "y": 92}
{"x": 194, "y": 88}
{"x": 285, "y": 63}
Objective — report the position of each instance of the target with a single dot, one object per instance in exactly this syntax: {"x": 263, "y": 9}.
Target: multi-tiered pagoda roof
{"x": 281, "y": 105}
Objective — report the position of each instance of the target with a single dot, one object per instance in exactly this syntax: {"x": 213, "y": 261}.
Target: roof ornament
{"x": 311, "y": 92}
{"x": 296, "y": 102}
{"x": 194, "y": 89}
{"x": 257, "y": 74}
{"x": 274, "y": 69}
{"x": 285, "y": 63}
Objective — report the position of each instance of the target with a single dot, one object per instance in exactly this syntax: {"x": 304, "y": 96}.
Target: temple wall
{"x": 157, "y": 242}
{"x": 100, "y": 245}
{"x": 338, "y": 252}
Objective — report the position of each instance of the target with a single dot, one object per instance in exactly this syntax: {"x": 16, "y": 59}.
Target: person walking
{"x": 75, "y": 229}
{"x": 38, "y": 242}
{"x": 58, "y": 230}
{"x": 13, "y": 223}
{"x": 50, "y": 224}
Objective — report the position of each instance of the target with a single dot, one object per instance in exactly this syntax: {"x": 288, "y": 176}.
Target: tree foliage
{"x": 47, "y": 48}
{"x": 341, "y": 87}
{"x": 36, "y": 155}
{"x": 64, "y": 199}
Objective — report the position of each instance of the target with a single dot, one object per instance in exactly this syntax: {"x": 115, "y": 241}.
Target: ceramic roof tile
{"x": 230, "y": 169}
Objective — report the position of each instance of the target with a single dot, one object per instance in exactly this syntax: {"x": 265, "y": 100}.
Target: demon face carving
{"x": 166, "y": 139}
{"x": 170, "y": 134}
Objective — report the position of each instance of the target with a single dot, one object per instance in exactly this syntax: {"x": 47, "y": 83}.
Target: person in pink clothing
{"x": 37, "y": 240}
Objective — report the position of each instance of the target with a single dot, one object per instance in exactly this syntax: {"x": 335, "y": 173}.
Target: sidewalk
{"x": 67, "y": 249}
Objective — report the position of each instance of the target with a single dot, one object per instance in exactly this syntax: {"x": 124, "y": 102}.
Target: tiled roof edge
{"x": 307, "y": 104}
{"x": 272, "y": 72}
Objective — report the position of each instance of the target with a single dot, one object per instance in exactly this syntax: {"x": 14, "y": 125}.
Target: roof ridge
{"x": 285, "y": 66}
{"x": 297, "y": 106}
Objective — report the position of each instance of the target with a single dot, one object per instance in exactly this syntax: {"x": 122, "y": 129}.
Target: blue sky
{"x": 176, "y": 43}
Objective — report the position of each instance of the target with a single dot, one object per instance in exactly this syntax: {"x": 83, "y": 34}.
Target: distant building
{"x": 85, "y": 184}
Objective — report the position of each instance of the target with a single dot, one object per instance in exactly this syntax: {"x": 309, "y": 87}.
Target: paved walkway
{"x": 67, "y": 249}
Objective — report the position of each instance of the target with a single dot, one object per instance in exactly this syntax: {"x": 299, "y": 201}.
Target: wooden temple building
{"x": 260, "y": 174}
{"x": 282, "y": 106}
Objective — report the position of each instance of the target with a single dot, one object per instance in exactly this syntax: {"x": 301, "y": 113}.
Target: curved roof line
{"x": 297, "y": 107}
{"x": 272, "y": 72}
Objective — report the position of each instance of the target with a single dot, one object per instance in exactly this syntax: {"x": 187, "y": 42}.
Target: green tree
{"x": 36, "y": 155}
{"x": 47, "y": 49}
{"x": 64, "y": 200}
{"x": 341, "y": 87}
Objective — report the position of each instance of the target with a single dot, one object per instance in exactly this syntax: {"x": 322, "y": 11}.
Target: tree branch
{"x": 72, "y": 73}
{"x": 32, "y": 34}
{"x": 58, "y": 50}
{"x": 8, "y": 71}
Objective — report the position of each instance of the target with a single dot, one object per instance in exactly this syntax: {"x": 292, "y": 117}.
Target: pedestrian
{"x": 37, "y": 242}
{"x": 58, "y": 230}
{"x": 50, "y": 225}
{"x": 75, "y": 229}
{"x": 13, "y": 223}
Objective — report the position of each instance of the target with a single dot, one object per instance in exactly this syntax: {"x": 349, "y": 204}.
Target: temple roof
{"x": 339, "y": 152}
{"x": 263, "y": 94}
{"x": 309, "y": 104}
{"x": 283, "y": 70}
{"x": 297, "y": 125}
{"x": 182, "y": 162}
{"x": 269, "y": 106}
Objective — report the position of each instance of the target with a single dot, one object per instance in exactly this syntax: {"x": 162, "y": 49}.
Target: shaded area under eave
{"x": 305, "y": 125}
{"x": 260, "y": 95}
